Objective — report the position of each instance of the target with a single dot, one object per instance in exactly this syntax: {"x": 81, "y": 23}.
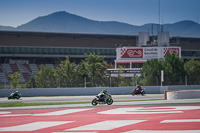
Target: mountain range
{"x": 64, "y": 22}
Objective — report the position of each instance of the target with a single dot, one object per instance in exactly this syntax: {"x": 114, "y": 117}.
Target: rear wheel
{"x": 94, "y": 102}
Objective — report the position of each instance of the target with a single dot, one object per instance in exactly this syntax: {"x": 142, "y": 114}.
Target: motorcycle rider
{"x": 102, "y": 98}
{"x": 138, "y": 88}
{"x": 103, "y": 95}
{"x": 16, "y": 93}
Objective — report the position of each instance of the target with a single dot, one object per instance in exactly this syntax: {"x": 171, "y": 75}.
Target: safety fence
{"x": 109, "y": 82}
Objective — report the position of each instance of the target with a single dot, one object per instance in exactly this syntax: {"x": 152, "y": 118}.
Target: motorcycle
{"x": 98, "y": 100}
{"x": 14, "y": 96}
{"x": 137, "y": 91}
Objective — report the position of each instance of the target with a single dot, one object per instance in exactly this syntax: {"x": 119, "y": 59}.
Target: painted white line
{"x": 74, "y": 132}
{"x": 169, "y": 108}
{"x": 34, "y": 126}
{"x": 4, "y": 112}
{"x": 181, "y": 120}
{"x": 62, "y": 112}
{"x": 137, "y": 110}
{"x": 163, "y": 131}
{"x": 14, "y": 115}
{"x": 106, "y": 125}
{"x": 150, "y": 110}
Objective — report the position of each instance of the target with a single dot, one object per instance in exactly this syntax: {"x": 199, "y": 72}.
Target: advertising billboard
{"x": 146, "y": 52}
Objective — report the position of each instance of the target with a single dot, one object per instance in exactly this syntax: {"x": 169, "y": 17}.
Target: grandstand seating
{"x": 26, "y": 76}
{"x": 33, "y": 67}
{"x": 22, "y": 68}
{"x": 14, "y": 67}
{"x": 26, "y": 70}
{"x": 3, "y": 77}
{"x": 7, "y": 68}
{"x": 27, "y": 66}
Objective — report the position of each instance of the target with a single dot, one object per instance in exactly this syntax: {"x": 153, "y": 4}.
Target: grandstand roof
{"x": 44, "y": 39}
{"x": 50, "y": 39}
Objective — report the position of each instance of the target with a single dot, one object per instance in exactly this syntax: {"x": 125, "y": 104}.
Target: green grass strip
{"x": 21, "y": 104}
{"x": 140, "y": 100}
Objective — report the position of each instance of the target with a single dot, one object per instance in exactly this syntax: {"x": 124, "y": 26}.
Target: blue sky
{"x": 135, "y": 12}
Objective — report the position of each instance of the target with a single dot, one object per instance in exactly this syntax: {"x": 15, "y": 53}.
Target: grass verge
{"x": 21, "y": 104}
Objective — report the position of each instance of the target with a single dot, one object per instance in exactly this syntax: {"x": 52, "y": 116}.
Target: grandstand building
{"x": 25, "y": 51}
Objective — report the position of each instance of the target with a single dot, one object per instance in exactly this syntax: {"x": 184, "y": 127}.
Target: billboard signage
{"x": 132, "y": 53}
{"x": 171, "y": 50}
{"x": 151, "y": 52}
{"x": 146, "y": 52}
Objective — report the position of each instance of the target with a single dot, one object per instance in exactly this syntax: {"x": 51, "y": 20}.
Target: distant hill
{"x": 64, "y": 22}
{"x": 6, "y": 28}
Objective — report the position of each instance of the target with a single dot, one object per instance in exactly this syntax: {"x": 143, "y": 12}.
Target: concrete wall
{"x": 92, "y": 91}
{"x": 183, "y": 94}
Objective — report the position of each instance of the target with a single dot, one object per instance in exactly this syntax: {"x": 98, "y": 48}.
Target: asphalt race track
{"x": 81, "y": 98}
{"x": 183, "y": 118}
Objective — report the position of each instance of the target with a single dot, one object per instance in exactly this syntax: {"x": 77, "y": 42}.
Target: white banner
{"x": 146, "y": 52}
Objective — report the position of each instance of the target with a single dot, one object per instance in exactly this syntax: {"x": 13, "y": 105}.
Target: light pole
{"x": 85, "y": 81}
{"x": 162, "y": 76}
{"x": 110, "y": 80}
{"x": 186, "y": 80}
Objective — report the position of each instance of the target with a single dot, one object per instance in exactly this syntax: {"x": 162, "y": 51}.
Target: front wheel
{"x": 109, "y": 101}
{"x": 94, "y": 102}
{"x": 143, "y": 92}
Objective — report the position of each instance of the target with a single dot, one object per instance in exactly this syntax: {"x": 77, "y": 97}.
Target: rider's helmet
{"x": 105, "y": 91}
{"x": 137, "y": 85}
{"x": 16, "y": 91}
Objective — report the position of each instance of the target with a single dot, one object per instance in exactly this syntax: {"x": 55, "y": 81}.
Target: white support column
{"x": 130, "y": 65}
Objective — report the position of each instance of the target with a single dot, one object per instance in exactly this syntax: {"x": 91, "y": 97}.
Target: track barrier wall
{"x": 183, "y": 94}
{"x": 93, "y": 91}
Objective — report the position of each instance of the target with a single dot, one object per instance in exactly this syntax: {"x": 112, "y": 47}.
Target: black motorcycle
{"x": 138, "y": 91}
{"x": 14, "y": 96}
{"x": 108, "y": 100}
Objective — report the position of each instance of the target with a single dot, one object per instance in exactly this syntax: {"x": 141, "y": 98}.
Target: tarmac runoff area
{"x": 121, "y": 103}
{"x": 181, "y": 118}
{"x": 151, "y": 116}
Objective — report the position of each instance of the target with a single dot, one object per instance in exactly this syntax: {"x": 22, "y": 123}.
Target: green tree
{"x": 95, "y": 68}
{"x": 173, "y": 69}
{"x": 15, "y": 80}
{"x": 82, "y": 73}
{"x": 172, "y": 65}
{"x": 192, "y": 69}
{"x": 151, "y": 72}
{"x": 135, "y": 80}
{"x": 121, "y": 80}
{"x": 45, "y": 78}
{"x": 66, "y": 73}
{"x": 31, "y": 83}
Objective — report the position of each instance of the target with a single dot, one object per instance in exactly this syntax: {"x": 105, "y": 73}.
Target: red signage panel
{"x": 171, "y": 51}
{"x": 132, "y": 53}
